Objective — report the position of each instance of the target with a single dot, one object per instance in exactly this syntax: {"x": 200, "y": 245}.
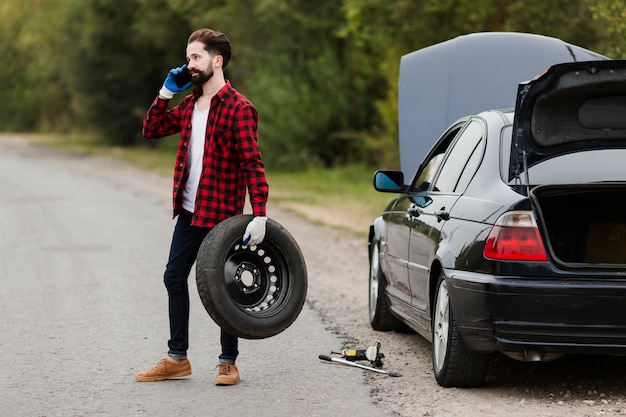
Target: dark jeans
{"x": 186, "y": 242}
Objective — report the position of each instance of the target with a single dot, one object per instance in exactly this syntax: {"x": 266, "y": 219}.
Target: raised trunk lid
{"x": 568, "y": 108}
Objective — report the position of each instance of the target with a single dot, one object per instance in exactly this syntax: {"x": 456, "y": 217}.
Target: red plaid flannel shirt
{"x": 231, "y": 163}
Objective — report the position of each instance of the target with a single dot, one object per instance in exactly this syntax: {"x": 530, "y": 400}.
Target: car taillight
{"x": 515, "y": 237}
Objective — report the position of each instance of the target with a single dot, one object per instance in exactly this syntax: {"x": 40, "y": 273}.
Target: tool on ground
{"x": 356, "y": 364}
{"x": 372, "y": 354}
{"x": 351, "y": 356}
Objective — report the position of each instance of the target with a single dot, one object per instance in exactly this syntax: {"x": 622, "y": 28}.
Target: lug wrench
{"x": 356, "y": 364}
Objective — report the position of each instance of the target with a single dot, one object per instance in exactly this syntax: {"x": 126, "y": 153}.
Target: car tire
{"x": 252, "y": 292}
{"x": 381, "y": 317}
{"x": 454, "y": 364}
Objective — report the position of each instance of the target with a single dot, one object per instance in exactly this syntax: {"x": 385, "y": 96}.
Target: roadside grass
{"x": 154, "y": 158}
{"x": 341, "y": 197}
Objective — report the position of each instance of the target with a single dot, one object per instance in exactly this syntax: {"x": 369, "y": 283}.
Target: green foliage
{"x": 323, "y": 75}
{"x": 565, "y": 19}
{"x": 313, "y": 99}
{"x": 611, "y": 15}
{"x": 122, "y": 62}
{"x": 32, "y": 86}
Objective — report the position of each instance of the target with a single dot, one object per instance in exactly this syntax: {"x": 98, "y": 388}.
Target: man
{"x": 216, "y": 162}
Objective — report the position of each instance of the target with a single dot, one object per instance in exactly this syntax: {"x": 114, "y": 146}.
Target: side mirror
{"x": 389, "y": 181}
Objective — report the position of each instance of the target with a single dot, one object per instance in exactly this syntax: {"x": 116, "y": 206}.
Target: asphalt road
{"x": 83, "y": 308}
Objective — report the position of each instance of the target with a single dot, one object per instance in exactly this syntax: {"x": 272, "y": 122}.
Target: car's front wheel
{"x": 380, "y": 314}
{"x": 454, "y": 364}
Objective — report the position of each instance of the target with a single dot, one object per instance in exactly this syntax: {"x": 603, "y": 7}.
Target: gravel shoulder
{"x": 577, "y": 386}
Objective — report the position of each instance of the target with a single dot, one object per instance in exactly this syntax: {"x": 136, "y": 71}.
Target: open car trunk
{"x": 585, "y": 225}
{"x": 571, "y": 107}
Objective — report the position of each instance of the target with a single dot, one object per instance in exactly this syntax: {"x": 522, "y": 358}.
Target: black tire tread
{"x": 384, "y": 320}
{"x": 463, "y": 367}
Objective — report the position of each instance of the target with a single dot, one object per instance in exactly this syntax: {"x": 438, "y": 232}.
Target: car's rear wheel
{"x": 380, "y": 314}
{"x": 253, "y": 292}
{"x": 454, "y": 364}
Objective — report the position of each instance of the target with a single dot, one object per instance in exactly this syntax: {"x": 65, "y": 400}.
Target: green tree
{"x": 324, "y": 75}
{"x": 33, "y": 74}
{"x": 392, "y": 29}
{"x": 610, "y": 16}
{"x": 568, "y": 20}
{"x": 290, "y": 60}
{"x": 121, "y": 47}
{"x": 121, "y": 53}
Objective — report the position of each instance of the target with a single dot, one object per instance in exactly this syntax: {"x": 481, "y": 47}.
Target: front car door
{"x": 394, "y": 251}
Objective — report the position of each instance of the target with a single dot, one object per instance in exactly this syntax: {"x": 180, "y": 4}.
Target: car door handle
{"x": 413, "y": 211}
{"x": 442, "y": 214}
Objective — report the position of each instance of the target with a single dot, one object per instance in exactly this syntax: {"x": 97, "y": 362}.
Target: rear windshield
{"x": 574, "y": 168}
{"x": 581, "y": 167}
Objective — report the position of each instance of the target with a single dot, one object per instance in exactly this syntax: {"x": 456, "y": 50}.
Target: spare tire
{"x": 253, "y": 292}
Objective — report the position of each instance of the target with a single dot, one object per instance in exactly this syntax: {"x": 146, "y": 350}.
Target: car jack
{"x": 371, "y": 354}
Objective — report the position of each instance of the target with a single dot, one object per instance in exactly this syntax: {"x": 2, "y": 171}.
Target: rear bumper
{"x": 557, "y": 316}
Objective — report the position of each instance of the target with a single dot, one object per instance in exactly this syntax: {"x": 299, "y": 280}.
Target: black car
{"x": 511, "y": 235}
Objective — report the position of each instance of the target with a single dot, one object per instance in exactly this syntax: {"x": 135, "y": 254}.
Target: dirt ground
{"x": 337, "y": 262}
{"x": 576, "y": 386}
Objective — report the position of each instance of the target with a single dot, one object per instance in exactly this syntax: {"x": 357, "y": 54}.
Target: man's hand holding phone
{"x": 177, "y": 81}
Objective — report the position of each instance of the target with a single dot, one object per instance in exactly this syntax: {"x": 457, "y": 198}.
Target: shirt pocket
{"x": 222, "y": 139}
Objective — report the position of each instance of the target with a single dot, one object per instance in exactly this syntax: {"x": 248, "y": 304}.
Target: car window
{"x": 600, "y": 165}
{"x": 506, "y": 138}
{"x": 462, "y": 160}
{"x": 470, "y": 167}
{"x": 426, "y": 175}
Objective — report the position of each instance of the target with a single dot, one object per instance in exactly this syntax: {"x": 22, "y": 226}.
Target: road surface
{"x": 83, "y": 307}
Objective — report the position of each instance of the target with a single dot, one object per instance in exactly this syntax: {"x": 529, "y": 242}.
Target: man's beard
{"x": 200, "y": 77}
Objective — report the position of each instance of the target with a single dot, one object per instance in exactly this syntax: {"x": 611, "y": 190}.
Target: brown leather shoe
{"x": 165, "y": 369}
{"x": 227, "y": 374}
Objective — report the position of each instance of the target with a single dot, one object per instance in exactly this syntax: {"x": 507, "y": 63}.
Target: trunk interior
{"x": 585, "y": 224}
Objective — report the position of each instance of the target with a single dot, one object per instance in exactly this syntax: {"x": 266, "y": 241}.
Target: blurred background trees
{"x": 323, "y": 74}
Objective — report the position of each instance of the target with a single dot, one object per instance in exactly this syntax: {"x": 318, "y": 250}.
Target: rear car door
{"x": 433, "y": 203}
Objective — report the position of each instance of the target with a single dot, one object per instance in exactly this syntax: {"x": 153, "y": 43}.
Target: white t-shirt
{"x": 194, "y": 157}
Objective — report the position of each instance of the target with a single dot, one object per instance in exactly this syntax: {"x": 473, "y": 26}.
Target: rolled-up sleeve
{"x": 160, "y": 122}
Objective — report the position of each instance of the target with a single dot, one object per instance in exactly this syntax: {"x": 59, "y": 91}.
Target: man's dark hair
{"x": 214, "y": 43}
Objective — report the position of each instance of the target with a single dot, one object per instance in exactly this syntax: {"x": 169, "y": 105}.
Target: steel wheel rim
{"x": 373, "y": 296}
{"x": 256, "y": 278}
{"x": 441, "y": 325}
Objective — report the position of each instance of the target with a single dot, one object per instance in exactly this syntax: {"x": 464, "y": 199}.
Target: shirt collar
{"x": 225, "y": 92}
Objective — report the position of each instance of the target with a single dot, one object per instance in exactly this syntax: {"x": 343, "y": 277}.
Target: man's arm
{"x": 253, "y": 171}
{"x": 250, "y": 158}
{"x": 160, "y": 122}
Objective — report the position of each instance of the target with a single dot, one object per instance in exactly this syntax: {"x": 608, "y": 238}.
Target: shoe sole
{"x": 231, "y": 382}
{"x": 162, "y": 377}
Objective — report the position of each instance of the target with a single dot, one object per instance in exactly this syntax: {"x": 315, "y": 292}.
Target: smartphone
{"x": 183, "y": 78}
